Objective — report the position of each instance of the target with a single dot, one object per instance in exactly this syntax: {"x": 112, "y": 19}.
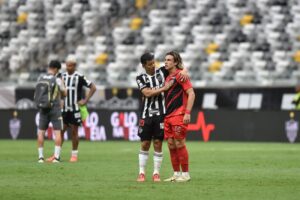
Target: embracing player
{"x": 151, "y": 125}
{"x": 179, "y": 102}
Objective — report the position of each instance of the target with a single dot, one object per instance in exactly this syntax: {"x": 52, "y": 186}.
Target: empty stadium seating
{"x": 233, "y": 42}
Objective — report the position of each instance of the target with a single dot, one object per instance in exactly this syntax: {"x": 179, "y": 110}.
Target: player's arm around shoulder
{"x": 183, "y": 75}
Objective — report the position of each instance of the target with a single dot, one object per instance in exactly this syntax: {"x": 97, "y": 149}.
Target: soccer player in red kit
{"x": 151, "y": 127}
{"x": 179, "y": 102}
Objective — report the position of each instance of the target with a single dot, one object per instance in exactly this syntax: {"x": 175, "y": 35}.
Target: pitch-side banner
{"x": 208, "y": 125}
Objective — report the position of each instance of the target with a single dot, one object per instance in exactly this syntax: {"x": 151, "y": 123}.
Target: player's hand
{"x": 183, "y": 76}
{"x": 186, "y": 118}
{"x": 168, "y": 85}
{"x": 82, "y": 102}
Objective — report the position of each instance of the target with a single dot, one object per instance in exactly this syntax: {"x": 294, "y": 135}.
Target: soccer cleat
{"x": 50, "y": 159}
{"x": 73, "y": 159}
{"x": 56, "y": 160}
{"x": 156, "y": 178}
{"x": 183, "y": 178}
{"x": 141, "y": 178}
{"x": 172, "y": 178}
{"x": 41, "y": 160}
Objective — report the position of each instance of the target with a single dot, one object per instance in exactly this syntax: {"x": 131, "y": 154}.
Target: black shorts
{"x": 151, "y": 128}
{"x": 72, "y": 118}
{"x": 52, "y": 115}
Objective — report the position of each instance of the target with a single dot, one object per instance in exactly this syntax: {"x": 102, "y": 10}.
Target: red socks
{"x": 183, "y": 158}
{"x": 174, "y": 160}
{"x": 180, "y": 157}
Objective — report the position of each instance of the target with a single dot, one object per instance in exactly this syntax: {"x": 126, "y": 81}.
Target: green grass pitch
{"x": 108, "y": 170}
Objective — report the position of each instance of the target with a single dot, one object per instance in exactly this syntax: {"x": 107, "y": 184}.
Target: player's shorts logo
{"x": 178, "y": 130}
{"x": 142, "y": 122}
{"x": 161, "y": 125}
{"x": 140, "y": 130}
{"x": 77, "y": 115}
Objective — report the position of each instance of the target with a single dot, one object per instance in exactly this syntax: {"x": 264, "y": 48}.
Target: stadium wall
{"x": 236, "y": 98}
{"x": 206, "y": 125}
{"x": 220, "y": 114}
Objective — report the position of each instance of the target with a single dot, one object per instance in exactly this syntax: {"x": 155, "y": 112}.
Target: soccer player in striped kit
{"x": 74, "y": 82}
{"x": 151, "y": 126}
{"x": 179, "y": 102}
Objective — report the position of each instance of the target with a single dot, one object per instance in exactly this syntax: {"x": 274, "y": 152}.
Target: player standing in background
{"x": 152, "y": 85}
{"x": 53, "y": 113}
{"x": 74, "y": 82}
{"x": 179, "y": 102}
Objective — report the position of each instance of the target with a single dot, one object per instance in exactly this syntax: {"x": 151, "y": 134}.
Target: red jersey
{"x": 176, "y": 97}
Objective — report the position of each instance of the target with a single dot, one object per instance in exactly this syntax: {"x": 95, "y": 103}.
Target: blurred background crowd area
{"x": 222, "y": 42}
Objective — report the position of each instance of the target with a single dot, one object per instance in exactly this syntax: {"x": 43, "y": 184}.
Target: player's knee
{"x": 157, "y": 145}
{"x": 180, "y": 143}
{"x": 171, "y": 144}
{"x": 145, "y": 145}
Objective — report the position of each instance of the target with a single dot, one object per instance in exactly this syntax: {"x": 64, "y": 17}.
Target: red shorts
{"x": 175, "y": 128}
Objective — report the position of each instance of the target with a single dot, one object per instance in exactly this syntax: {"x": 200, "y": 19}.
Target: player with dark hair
{"x": 51, "y": 113}
{"x": 179, "y": 102}
{"x": 152, "y": 86}
{"x": 71, "y": 107}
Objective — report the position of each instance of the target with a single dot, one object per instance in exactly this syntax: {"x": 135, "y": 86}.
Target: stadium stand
{"x": 222, "y": 42}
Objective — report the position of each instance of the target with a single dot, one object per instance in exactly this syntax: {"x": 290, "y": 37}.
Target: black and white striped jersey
{"x": 153, "y": 106}
{"x": 74, "y": 84}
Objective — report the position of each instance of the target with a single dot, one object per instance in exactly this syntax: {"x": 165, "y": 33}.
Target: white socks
{"x": 143, "y": 157}
{"x": 185, "y": 174}
{"x": 74, "y": 153}
{"x": 41, "y": 152}
{"x": 177, "y": 173}
{"x": 157, "y": 160}
{"x": 57, "y": 150}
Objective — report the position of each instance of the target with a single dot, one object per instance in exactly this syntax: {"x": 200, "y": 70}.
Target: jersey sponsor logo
{"x": 153, "y": 111}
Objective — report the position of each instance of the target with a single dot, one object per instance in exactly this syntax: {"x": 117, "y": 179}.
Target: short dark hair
{"x": 54, "y": 64}
{"x": 148, "y": 56}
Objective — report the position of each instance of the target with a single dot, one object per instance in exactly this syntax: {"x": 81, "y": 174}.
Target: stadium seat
{"x": 246, "y": 37}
